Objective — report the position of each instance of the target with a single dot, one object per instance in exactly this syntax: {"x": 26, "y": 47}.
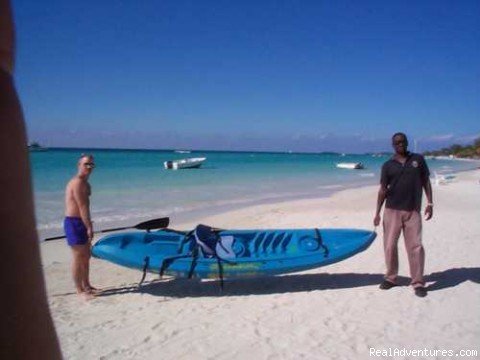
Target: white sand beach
{"x": 333, "y": 312}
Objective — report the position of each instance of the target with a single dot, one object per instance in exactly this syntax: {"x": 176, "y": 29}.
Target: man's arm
{"x": 81, "y": 194}
{"x": 26, "y": 329}
{"x": 380, "y": 200}
{"x": 427, "y": 187}
{"x": 382, "y": 194}
{"x": 7, "y": 38}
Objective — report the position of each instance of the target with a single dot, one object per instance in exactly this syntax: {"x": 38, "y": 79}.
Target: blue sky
{"x": 249, "y": 75}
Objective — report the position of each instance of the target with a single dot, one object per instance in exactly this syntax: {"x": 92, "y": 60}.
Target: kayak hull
{"x": 257, "y": 252}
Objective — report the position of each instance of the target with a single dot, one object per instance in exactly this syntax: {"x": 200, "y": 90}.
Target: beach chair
{"x": 443, "y": 179}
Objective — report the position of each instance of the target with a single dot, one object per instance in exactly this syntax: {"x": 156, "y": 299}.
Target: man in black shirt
{"x": 403, "y": 178}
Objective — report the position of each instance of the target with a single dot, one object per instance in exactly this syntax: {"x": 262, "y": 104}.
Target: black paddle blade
{"x": 153, "y": 224}
{"x": 55, "y": 238}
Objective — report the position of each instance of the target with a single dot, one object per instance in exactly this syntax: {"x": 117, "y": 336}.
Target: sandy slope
{"x": 336, "y": 312}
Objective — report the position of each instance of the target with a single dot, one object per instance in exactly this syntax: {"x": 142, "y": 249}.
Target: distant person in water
{"x": 402, "y": 180}
{"x": 78, "y": 225}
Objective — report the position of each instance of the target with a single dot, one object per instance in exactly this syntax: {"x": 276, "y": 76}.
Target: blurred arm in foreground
{"x": 26, "y": 329}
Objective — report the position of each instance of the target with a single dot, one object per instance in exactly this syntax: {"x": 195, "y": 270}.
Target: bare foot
{"x": 86, "y": 296}
{"x": 93, "y": 290}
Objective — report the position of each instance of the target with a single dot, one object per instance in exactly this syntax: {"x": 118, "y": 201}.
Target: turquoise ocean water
{"x": 130, "y": 186}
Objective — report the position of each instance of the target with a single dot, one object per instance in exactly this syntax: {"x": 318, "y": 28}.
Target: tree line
{"x": 461, "y": 151}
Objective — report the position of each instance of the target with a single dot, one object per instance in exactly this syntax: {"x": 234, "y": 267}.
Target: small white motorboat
{"x": 351, "y": 166}
{"x": 189, "y": 163}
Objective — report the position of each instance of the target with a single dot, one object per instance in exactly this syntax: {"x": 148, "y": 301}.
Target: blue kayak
{"x": 232, "y": 253}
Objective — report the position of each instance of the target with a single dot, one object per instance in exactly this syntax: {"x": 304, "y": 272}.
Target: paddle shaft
{"x": 156, "y": 223}
{"x": 95, "y": 232}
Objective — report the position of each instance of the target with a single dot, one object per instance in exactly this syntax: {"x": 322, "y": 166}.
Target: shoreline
{"x": 187, "y": 195}
{"x": 189, "y": 216}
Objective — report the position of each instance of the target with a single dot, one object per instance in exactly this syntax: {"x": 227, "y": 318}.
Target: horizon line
{"x": 212, "y": 150}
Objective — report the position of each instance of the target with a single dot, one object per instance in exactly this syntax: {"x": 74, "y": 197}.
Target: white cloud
{"x": 439, "y": 137}
{"x": 468, "y": 138}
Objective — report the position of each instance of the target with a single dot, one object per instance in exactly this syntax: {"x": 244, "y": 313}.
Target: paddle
{"x": 146, "y": 225}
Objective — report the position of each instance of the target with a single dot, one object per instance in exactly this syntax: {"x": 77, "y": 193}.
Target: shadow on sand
{"x": 452, "y": 277}
{"x": 179, "y": 288}
{"x": 253, "y": 286}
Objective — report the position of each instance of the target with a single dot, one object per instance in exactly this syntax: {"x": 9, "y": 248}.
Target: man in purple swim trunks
{"x": 78, "y": 225}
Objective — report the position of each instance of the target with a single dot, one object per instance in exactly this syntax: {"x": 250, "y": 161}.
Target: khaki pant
{"x": 394, "y": 221}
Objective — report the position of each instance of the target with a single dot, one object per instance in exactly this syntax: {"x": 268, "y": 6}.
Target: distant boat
{"x": 35, "y": 146}
{"x": 351, "y": 166}
{"x": 189, "y": 163}
{"x": 182, "y": 151}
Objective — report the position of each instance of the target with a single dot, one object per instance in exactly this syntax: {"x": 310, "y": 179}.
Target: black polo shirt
{"x": 404, "y": 183}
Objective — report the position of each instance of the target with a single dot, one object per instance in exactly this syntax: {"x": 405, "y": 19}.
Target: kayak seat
{"x": 224, "y": 248}
{"x": 213, "y": 245}
{"x": 206, "y": 239}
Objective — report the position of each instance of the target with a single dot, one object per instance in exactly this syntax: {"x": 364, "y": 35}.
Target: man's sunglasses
{"x": 90, "y": 165}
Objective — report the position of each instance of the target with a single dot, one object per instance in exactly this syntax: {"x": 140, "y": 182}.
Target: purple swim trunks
{"x": 75, "y": 230}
